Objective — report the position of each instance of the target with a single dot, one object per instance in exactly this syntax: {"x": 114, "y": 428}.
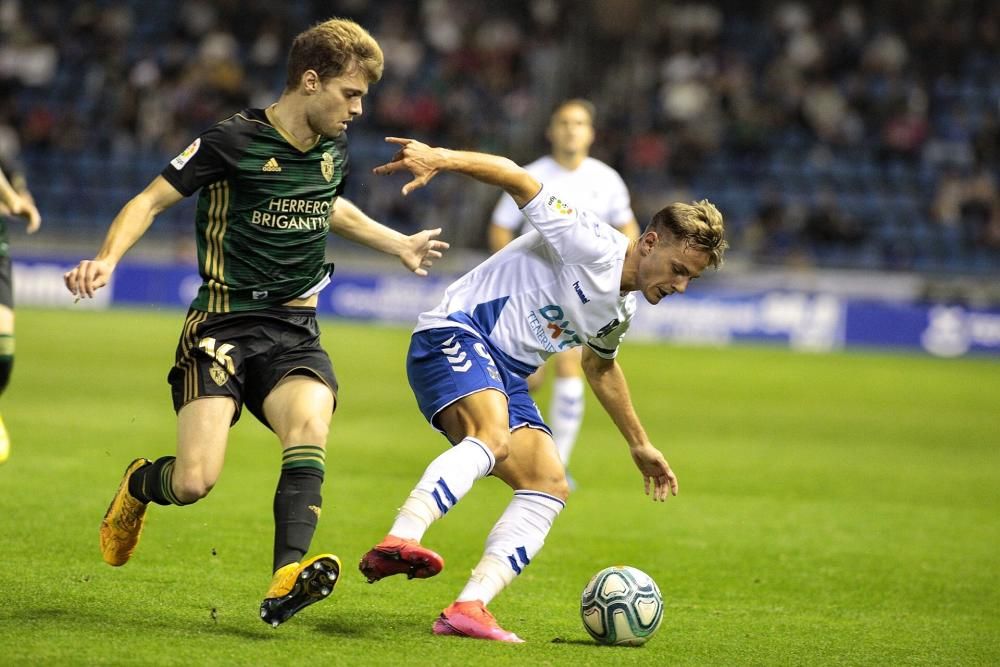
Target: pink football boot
{"x": 394, "y": 555}
{"x": 472, "y": 619}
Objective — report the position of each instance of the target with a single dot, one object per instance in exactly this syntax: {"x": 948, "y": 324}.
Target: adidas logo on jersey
{"x": 271, "y": 167}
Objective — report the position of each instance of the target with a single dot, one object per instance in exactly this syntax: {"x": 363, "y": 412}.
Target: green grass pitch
{"x": 834, "y": 509}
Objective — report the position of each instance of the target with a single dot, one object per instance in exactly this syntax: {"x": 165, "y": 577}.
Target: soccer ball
{"x": 621, "y": 605}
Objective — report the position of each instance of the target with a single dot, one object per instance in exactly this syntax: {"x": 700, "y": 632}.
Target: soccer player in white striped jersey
{"x": 589, "y": 184}
{"x": 568, "y": 283}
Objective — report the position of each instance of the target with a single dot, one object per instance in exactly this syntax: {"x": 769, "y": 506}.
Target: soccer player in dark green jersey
{"x": 270, "y": 182}
{"x": 15, "y": 199}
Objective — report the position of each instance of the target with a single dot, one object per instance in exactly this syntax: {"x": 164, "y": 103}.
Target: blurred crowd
{"x": 831, "y": 133}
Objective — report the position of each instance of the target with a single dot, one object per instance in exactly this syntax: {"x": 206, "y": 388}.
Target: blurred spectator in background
{"x": 979, "y": 208}
{"x": 773, "y": 233}
{"x": 968, "y": 204}
{"x": 719, "y": 98}
{"x": 946, "y": 206}
{"x": 827, "y": 226}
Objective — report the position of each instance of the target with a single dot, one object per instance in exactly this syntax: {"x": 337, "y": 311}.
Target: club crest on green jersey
{"x": 326, "y": 166}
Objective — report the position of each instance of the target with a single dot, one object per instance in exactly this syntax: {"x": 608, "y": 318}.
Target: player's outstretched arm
{"x": 605, "y": 377}
{"x": 424, "y": 162}
{"x": 417, "y": 251}
{"x": 127, "y": 228}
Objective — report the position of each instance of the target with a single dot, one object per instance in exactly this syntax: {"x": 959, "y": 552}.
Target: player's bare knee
{"x": 191, "y": 492}
{"x": 554, "y": 484}
{"x": 191, "y": 487}
{"x": 498, "y": 440}
{"x": 312, "y": 430}
{"x": 559, "y": 487}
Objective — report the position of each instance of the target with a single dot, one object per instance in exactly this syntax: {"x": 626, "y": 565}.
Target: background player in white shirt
{"x": 590, "y": 184}
{"x": 567, "y": 283}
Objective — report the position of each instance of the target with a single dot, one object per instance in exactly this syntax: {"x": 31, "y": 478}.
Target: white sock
{"x": 513, "y": 542}
{"x": 566, "y": 414}
{"x": 445, "y": 481}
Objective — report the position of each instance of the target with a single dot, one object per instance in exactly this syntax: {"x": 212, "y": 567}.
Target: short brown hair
{"x": 698, "y": 225}
{"x": 331, "y": 48}
{"x": 586, "y": 105}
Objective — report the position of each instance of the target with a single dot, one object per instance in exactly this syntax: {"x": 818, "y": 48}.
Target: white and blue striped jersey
{"x": 593, "y": 185}
{"x": 556, "y": 287}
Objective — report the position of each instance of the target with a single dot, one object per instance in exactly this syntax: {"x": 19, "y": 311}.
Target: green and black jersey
{"x": 14, "y": 174}
{"x": 4, "y": 242}
{"x": 263, "y": 211}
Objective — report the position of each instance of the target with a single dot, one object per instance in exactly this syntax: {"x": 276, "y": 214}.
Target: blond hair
{"x": 698, "y": 225}
{"x": 331, "y": 48}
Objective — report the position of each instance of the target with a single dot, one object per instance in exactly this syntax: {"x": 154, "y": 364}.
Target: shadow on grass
{"x": 590, "y": 643}
{"x": 342, "y": 628}
{"x": 579, "y": 642}
{"x": 264, "y": 633}
{"x": 358, "y": 623}
{"x": 99, "y": 623}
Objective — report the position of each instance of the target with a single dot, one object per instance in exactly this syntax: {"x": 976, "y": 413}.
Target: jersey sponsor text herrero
{"x": 293, "y": 214}
{"x": 263, "y": 211}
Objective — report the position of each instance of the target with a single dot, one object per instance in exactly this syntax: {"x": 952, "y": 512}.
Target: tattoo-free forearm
{"x": 609, "y": 385}
{"x": 127, "y": 228}
{"x": 494, "y": 170}
{"x": 350, "y": 222}
{"x": 135, "y": 218}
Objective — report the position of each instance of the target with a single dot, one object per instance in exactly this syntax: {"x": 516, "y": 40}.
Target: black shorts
{"x": 245, "y": 355}
{"x": 6, "y": 283}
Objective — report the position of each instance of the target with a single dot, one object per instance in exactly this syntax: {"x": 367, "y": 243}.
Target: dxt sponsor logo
{"x": 559, "y": 327}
